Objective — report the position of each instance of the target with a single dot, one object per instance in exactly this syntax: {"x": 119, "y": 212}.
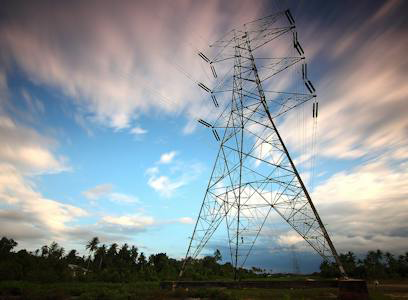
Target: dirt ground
{"x": 391, "y": 290}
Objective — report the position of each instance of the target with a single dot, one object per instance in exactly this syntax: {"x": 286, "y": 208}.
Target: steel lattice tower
{"x": 254, "y": 173}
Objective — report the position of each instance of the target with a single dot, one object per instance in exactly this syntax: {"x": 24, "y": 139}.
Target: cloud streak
{"x": 116, "y": 85}
{"x": 105, "y": 191}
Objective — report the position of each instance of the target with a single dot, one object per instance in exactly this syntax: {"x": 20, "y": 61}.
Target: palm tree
{"x": 142, "y": 261}
{"x": 124, "y": 252}
{"x": 113, "y": 249}
{"x": 44, "y": 251}
{"x": 72, "y": 256}
{"x": 101, "y": 252}
{"x": 55, "y": 251}
{"x": 92, "y": 246}
{"x": 133, "y": 254}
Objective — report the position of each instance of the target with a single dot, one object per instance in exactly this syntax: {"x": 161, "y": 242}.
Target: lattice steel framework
{"x": 254, "y": 173}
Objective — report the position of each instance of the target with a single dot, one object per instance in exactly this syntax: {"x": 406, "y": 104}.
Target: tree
{"x": 100, "y": 253}
{"x": 349, "y": 262}
{"x": 44, "y": 251}
{"x": 6, "y": 245}
{"x": 55, "y": 251}
{"x": 142, "y": 261}
{"x": 134, "y": 254}
{"x": 217, "y": 255}
{"x": 159, "y": 262}
{"x": 392, "y": 264}
{"x": 92, "y": 246}
{"x": 124, "y": 253}
{"x": 72, "y": 257}
{"x": 113, "y": 249}
{"x": 373, "y": 264}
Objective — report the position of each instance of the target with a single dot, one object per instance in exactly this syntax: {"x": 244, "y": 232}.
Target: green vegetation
{"x": 151, "y": 290}
{"x": 121, "y": 272}
{"x": 376, "y": 264}
{"x": 104, "y": 263}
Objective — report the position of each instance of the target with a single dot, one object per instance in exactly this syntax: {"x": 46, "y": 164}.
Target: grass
{"x": 151, "y": 290}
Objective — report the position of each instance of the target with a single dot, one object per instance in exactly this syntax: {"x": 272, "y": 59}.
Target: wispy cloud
{"x": 164, "y": 185}
{"x": 362, "y": 92}
{"x": 186, "y": 220}
{"x": 137, "y": 222}
{"x": 366, "y": 207}
{"x": 167, "y": 158}
{"x": 98, "y": 191}
{"x": 180, "y": 174}
{"x": 127, "y": 77}
{"x": 39, "y": 218}
{"x": 138, "y": 131}
{"x": 105, "y": 191}
{"x": 123, "y": 198}
{"x": 28, "y": 150}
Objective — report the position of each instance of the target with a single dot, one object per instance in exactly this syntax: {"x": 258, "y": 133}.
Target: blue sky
{"x": 99, "y": 134}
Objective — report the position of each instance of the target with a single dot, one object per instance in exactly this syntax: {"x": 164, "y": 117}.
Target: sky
{"x": 98, "y": 131}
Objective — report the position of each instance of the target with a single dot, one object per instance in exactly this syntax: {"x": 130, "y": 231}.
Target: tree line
{"x": 125, "y": 263}
{"x": 375, "y": 264}
{"x": 110, "y": 263}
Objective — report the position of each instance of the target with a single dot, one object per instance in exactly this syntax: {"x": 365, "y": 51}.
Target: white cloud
{"x": 133, "y": 72}
{"x": 26, "y": 149}
{"x": 139, "y": 222}
{"x": 186, "y": 220}
{"x": 123, "y": 198}
{"x": 132, "y": 222}
{"x": 180, "y": 175}
{"x": 37, "y": 216}
{"x": 289, "y": 238}
{"x": 104, "y": 191}
{"x": 98, "y": 191}
{"x": 362, "y": 109}
{"x": 167, "y": 158}
{"x": 164, "y": 185}
{"x": 152, "y": 171}
{"x": 366, "y": 207}
{"x": 138, "y": 131}
{"x": 34, "y": 105}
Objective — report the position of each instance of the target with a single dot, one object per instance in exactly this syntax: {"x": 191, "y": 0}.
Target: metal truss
{"x": 254, "y": 174}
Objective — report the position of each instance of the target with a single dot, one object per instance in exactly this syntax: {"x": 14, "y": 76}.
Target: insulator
{"x": 294, "y": 38}
{"x": 300, "y": 47}
{"x": 304, "y": 71}
{"x": 308, "y": 87}
{"x": 311, "y": 85}
{"x": 290, "y": 17}
{"x": 217, "y": 137}
{"x": 204, "y": 57}
{"x": 314, "y": 108}
{"x": 213, "y": 71}
{"x": 204, "y": 87}
{"x": 317, "y": 109}
{"x": 214, "y": 100}
{"x": 204, "y": 123}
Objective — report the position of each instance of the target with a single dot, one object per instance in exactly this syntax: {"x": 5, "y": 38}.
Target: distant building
{"x": 77, "y": 270}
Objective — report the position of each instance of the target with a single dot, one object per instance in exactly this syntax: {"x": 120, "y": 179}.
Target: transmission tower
{"x": 254, "y": 174}
{"x": 296, "y": 268}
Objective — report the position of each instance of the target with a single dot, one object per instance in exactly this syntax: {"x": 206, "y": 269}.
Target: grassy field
{"x": 150, "y": 290}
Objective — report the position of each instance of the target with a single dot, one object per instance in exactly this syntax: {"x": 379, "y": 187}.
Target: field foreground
{"x": 151, "y": 290}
